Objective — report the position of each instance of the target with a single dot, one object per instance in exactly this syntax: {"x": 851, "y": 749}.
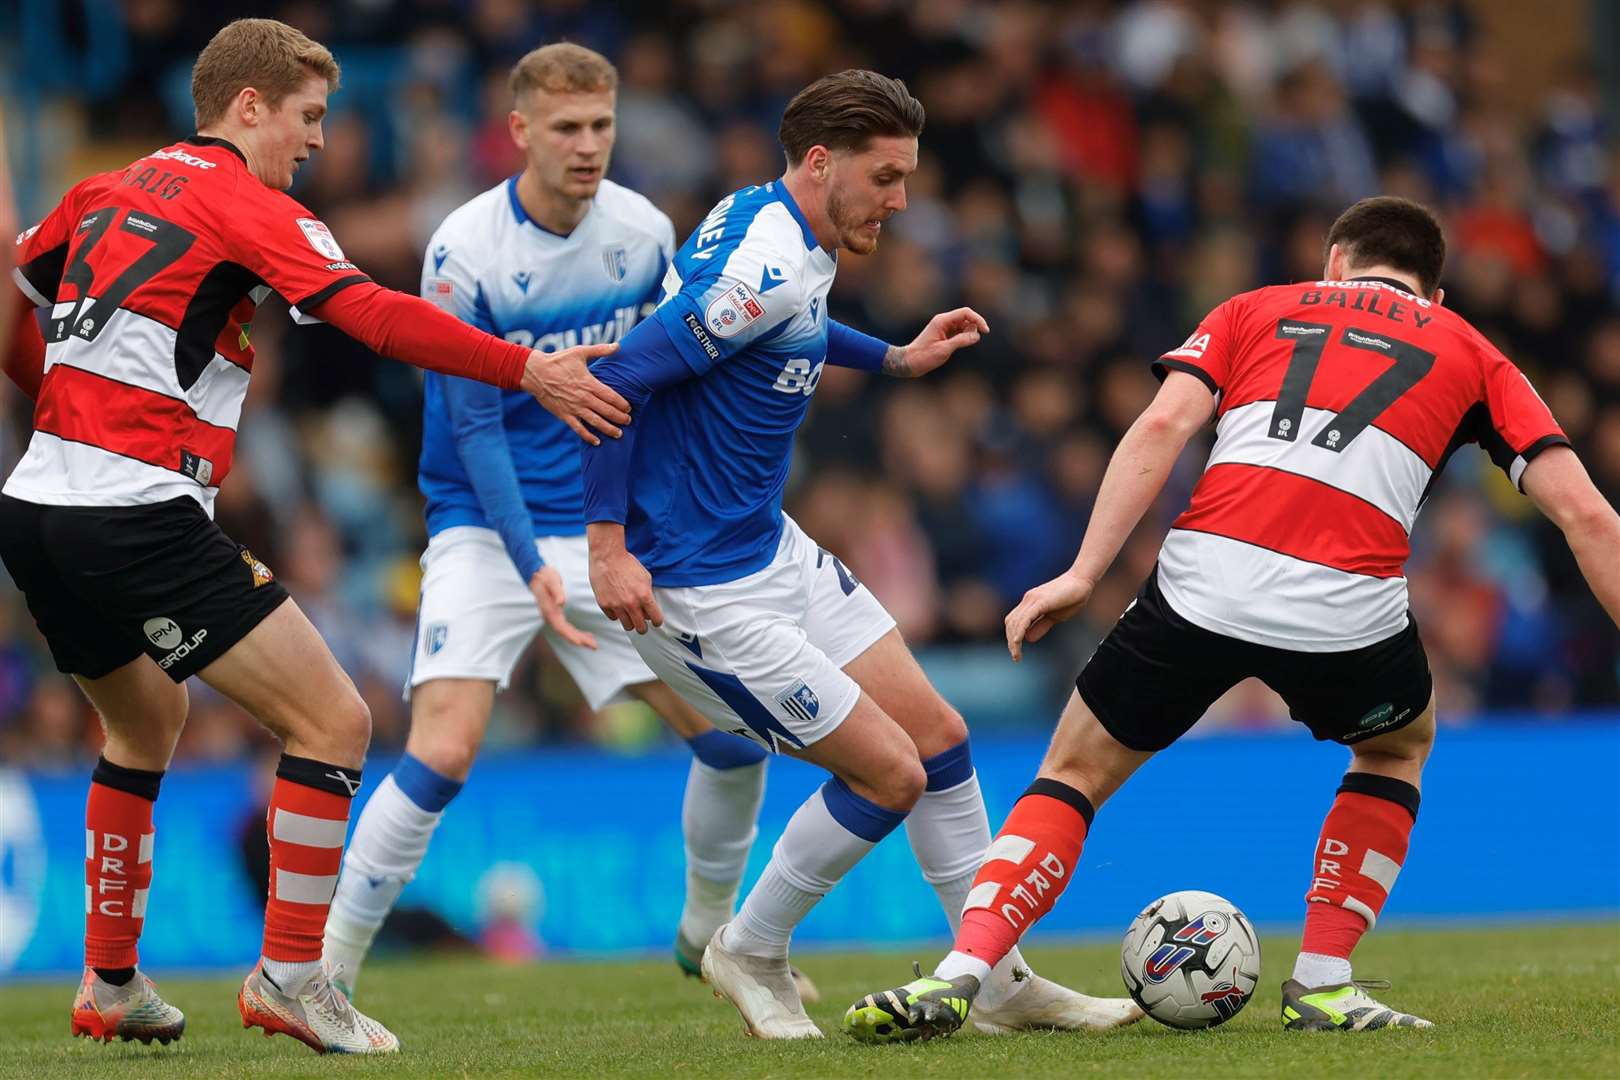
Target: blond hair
{"x": 563, "y": 68}
{"x": 273, "y": 58}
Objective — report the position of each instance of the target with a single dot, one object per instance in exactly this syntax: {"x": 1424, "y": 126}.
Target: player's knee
{"x": 948, "y": 729}
{"x": 450, "y": 753}
{"x": 901, "y": 782}
{"x": 349, "y": 727}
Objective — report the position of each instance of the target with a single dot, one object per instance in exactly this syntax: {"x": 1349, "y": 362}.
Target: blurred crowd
{"x": 1094, "y": 177}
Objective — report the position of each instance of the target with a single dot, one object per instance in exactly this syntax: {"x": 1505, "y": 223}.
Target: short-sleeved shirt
{"x": 152, "y": 274}
{"x": 1339, "y": 402}
{"x": 490, "y": 265}
{"x": 745, "y": 304}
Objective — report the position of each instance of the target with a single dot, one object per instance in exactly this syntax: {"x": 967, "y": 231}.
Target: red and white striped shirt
{"x": 150, "y": 276}
{"x": 1339, "y": 404}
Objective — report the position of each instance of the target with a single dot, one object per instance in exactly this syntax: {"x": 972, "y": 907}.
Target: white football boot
{"x": 761, "y": 988}
{"x": 132, "y": 1011}
{"x": 1039, "y": 1004}
{"x": 317, "y": 1015}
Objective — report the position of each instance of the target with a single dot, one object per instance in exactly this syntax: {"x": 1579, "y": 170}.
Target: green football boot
{"x": 924, "y": 1008}
{"x": 1341, "y": 1008}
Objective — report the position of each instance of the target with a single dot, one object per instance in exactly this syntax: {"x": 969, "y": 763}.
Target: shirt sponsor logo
{"x": 1363, "y": 339}
{"x": 321, "y": 239}
{"x": 701, "y": 335}
{"x": 732, "y": 310}
{"x": 183, "y": 158}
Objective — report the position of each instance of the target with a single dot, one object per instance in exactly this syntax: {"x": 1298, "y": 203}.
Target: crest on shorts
{"x": 800, "y": 702}
{"x": 434, "y": 636}
{"x": 261, "y": 572}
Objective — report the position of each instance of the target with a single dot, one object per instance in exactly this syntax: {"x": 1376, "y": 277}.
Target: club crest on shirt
{"x": 616, "y": 262}
{"x": 732, "y": 310}
{"x": 321, "y": 239}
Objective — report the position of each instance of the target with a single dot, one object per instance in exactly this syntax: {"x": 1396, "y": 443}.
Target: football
{"x": 1190, "y": 959}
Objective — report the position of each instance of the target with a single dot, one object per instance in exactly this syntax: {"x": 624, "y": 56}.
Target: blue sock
{"x": 722, "y": 750}
{"x": 423, "y": 786}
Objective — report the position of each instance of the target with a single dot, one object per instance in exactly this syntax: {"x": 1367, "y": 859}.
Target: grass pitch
{"x": 1538, "y": 1001}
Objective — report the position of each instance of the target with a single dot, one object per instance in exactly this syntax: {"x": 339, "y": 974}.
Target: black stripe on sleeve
{"x": 1163, "y": 367}
{"x": 44, "y": 271}
{"x": 316, "y": 299}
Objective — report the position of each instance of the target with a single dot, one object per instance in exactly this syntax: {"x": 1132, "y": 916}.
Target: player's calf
{"x": 1358, "y": 856}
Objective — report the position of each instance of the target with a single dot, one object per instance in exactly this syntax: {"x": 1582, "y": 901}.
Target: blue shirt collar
{"x": 780, "y": 189}
{"x": 522, "y": 215}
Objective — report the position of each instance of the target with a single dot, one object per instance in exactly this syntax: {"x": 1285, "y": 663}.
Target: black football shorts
{"x": 106, "y": 584}
{"x": 1156, "y": 673}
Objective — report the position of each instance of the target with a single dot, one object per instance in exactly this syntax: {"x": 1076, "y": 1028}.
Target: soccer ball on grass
{"x": 1190, "y": 959}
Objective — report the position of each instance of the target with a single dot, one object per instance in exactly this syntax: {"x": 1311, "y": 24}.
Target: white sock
{"x": 718, "y": 820}
{"x": 389, "y": 843}
{"x": 290, "y": 975}
{"x": 814, "y": 853}
{"x": 950, "y": 833}
{"x": 1315, "y": 969}
{"x": 959, "y": 963}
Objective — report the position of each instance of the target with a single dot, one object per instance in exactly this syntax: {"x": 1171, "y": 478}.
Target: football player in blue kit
{"x": 762, "y": 631}
{"x": 553, "y": 257}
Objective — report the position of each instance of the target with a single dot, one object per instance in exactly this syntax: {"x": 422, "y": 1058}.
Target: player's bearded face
{"x": 865, "y": 189}
{"x": 568, "y": 140}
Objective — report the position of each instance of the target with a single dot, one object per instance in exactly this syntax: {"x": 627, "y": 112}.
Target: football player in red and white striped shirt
{"x": 1336, "y": 404}
{"x": 146, "y": 280}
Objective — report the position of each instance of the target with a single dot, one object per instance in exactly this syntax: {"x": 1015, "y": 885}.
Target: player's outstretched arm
{"x": 1136, "y": 474}
{"x": 411, "y": 329}
{"x": 938, "y": 342}
{"x": 1557, "y": 482}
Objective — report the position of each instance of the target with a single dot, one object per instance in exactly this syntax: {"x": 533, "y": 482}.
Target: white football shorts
{"x": 763, "y": 656}
{"x": 476, "y": 616}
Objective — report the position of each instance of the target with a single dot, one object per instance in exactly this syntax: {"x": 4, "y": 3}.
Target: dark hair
{"x": 845, "y": 110}
{"x": 1394, "y": 232}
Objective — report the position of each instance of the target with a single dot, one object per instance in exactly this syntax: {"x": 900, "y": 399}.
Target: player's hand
{"x": 623, "y": 589}
{"x": 1042, "y": 608}
{"x": 943, "y": 335}
{"x": 564, "y": 387}
{"x": 549, "y": 597}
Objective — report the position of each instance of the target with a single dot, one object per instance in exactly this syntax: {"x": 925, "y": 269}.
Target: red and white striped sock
{"x": 118, "y": 838}
{"x": 1358, "y": 856}
{"x": 1025, "y": 870}
{"x": 307, "y": 822}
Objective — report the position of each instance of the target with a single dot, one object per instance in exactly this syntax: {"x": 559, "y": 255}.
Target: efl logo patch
{"x": 435, "y": 636}
{"x": 261, "y": 573}
{"x": 732, "y": 310}
{"x": 321, "y": 239}
{"x": 440, "y": 292}
{"x": 800, "y": 702}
